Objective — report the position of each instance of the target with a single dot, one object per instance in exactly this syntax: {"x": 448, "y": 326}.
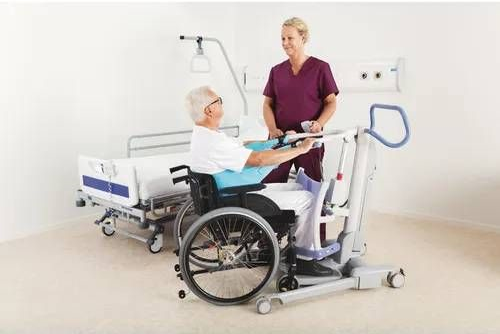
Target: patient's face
{"x": 216, "y": 108}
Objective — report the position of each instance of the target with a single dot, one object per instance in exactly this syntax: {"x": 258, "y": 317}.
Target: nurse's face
{"x": 291, "y": 41}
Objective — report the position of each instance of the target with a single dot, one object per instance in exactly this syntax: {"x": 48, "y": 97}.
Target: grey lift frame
{"x": 352, "y": 273}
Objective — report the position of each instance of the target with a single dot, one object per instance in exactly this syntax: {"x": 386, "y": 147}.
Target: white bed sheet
{"x": 153, "y": 173}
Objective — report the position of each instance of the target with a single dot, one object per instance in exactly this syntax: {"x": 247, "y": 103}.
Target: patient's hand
{"x": 306, "y": 144}
{"x": 291, "y": 132}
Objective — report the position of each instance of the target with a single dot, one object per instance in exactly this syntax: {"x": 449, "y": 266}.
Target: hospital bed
{"x": 137, "y": 190}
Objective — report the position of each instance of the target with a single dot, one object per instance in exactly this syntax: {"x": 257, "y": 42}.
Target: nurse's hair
{"x": 300, "y": 25}
{"x": 196, "y": 101}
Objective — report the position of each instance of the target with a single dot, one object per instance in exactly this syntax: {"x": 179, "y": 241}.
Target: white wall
{"x": 81, "y": 78}
{"x": 451, "y": 167}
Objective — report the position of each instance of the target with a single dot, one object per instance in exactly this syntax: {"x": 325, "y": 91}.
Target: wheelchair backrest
{"x": 203, "y": 192}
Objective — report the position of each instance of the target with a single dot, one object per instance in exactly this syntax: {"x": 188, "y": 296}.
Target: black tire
{"x": 185, "y": 211}
{"x": 185, "y": 214}
{"x": 284, "y": 283}
{"x": 153, "y": 248}
{"x": 246, "y": 250}
{"x": 105, "y": 231}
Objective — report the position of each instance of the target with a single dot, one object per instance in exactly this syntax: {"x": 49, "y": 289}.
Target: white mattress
{"x": 153, "y": 173}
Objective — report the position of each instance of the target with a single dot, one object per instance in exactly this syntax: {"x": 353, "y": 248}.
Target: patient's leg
{"x": 306, "y": 233}
{"x": 302, "y": 202}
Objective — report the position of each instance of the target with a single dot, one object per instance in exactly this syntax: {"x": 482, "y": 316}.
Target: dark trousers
{"x": 311, "y": 162}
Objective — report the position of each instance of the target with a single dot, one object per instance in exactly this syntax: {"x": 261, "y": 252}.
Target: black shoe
{"x": 312, "y": 268}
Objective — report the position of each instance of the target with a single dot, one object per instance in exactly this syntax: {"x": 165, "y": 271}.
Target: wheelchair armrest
{"x": 178, "y": 168}
{"x": 184, "y": 178}
{"x": 241, "y": 189}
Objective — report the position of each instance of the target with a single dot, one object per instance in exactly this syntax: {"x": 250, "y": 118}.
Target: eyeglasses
{"x": 219, "y": 99}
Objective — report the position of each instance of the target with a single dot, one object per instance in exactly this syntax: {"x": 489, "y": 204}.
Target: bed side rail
{"x": 133, "y": 142}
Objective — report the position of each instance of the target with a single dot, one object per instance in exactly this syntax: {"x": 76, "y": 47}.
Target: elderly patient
{"x": 213, "y": 152}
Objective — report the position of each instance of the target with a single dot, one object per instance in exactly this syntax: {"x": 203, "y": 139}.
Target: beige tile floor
{"x": 75, "y": 280}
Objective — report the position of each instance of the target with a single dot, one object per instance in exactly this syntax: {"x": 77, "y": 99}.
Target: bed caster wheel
{"x": 177, "y": 268}
{"x": 155, "y": 246}
{"x": 396, "y": 280}
{"x": 263, "y": 305}
{"x": 284, "y": 283}
{"x": 182, "y": 294}
{"x": 80, "y": 203}
{"x": 107, "y": 230}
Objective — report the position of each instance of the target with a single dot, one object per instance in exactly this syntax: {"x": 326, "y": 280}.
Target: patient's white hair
{"x": 196, "y": 101}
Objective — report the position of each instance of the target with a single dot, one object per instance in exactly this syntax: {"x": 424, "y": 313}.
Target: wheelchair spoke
{"x": 237, "y": 249}
{"x": 222, "y": 233}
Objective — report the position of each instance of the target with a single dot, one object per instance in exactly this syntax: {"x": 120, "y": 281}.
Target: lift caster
{"x": 263, "y": 305}
{"x": 155, "y": 245}
{"x": 182, "y": 294}
{"x": 284, "y": 284}
{"x": 396, "y": 280}
{"x": 107, "y": 230}
{"x": 177, "y": 268}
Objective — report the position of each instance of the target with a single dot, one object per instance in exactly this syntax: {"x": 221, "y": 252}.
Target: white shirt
{"x": 213, "y": 152}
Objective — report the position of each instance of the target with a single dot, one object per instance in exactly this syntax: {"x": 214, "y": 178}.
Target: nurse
{"x": 301, "y": 88}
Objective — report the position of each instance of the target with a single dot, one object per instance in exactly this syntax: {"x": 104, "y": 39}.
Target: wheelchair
{"x": 233, "y": 250}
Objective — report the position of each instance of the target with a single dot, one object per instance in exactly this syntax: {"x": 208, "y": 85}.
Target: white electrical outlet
{"x": 369, "y": 76}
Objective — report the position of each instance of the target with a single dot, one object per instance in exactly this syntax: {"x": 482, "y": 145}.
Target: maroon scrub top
{"x": 298, "y": 98}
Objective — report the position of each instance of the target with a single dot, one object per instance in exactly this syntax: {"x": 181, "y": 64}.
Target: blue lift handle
{"x": 377, "y": 136}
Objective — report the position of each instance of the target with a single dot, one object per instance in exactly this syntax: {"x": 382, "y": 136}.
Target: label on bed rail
{"x": 109, "y": 187}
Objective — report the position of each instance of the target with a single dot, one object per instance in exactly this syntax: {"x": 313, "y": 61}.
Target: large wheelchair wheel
{"x": 243, "y": 247}
{"x": 185, "y": 214}
{"x": 184, "y": 218}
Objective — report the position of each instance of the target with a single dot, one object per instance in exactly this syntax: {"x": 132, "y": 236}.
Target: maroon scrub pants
{"x": 310, "y": 161}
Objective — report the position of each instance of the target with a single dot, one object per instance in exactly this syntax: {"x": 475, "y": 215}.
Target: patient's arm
{"x": 276, "y": 157}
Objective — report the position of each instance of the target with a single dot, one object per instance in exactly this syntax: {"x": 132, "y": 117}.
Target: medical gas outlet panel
{"x": 363, "y": 76}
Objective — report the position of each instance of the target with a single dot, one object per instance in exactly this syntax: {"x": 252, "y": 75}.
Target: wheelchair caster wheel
{"x": 182, "y": 294}
{"x": 263, "y": 305}
{"x": 396, "y": 280}
{"x": 154, "y": 246}
{"x": 177, "y": 268}
{"x": 284, "y": 284}
{"x": 107, "y": 230}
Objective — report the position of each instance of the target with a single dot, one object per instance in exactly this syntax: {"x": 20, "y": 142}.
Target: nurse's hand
{"x": 315, "y": 127}
{"x": 274, "y": 133}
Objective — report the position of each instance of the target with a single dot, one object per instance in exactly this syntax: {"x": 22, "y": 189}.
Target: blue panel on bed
{"x": 116, "y": 189}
